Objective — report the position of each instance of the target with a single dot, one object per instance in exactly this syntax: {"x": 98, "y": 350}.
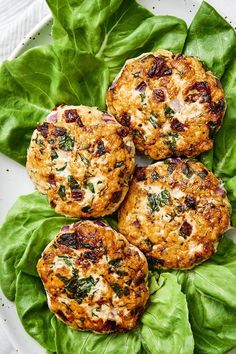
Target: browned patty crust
{"x": 94, "y": 279}
{"x": 83, "y": 159}
{"x": 175, "y": 212}
{"x": 171, "y": 103}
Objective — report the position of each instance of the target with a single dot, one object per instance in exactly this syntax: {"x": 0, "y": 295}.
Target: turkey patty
{"x": 94, "y": 279}
{"x": 171, "y": 103}
{"x": 175, "y": 212}
{"x": 83, "y": 160}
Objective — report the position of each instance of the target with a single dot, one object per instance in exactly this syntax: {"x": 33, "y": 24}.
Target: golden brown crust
{"x": 94, "y": 279}
{"x": 175, "y": 212}
{"x": 83, "y": 160}
{"x": 170, "y": 102}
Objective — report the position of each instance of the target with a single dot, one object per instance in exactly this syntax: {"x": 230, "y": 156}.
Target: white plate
{"x": 14, "y": 180}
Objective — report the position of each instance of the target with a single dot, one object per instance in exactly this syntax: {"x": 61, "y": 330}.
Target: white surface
{"x": 17, "y": 17}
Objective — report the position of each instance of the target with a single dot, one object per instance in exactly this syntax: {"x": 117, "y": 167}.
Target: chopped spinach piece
{"x": 171, "y": 140}
{"x": 153, "y": 119}
{"x": 73, "y": 183}
{"x": 142, "y": 96}
{"x": 117, "y": 289}
{"x": 54, "y": 154}
{"x": 186, "y": 170}
{"x": 153, "y": 202}
{"x": 86, "y": 209}
{"x": 119, "y": 164}
{"x": 101, "y": 148}
{"x": 169, "y": 112}
{"x": 121, "y": 273}
{"x": 61, "y": 168}
{"x": 63, "y": 279}
{"x": 115, "y": 262}
{"x": 80, "y": 288}
{"x": 155, "y": 176}
{"x": 126, "y": 291}
{"x": 62, "y": 192}
{"x": 148, "y": 243}
{"x": 94, "y": 314}
{"x": 164, "y": 198}
{"x": 156, "y": 201}
{"x": 84, "y": 160}
{"x": 39, "y": 141}
{"x": 138, "y": 134}
{"x": 66, "y": 143}
{"x": 90, "y": 186}
{"x": 66, "y": 260}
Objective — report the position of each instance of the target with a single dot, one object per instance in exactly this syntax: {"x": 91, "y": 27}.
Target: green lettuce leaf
{"x": 116, "y": 30}
{"x": 212, "y": 39}
{"x": 26, "y": 216}
{"x": 207, "y": 29}
{"x": 30, "y": 225}
{"x": 79, "y": 66}
{"x": 224, "y": 162}
{"x": 211, "y": 296}
{"x": 54, "y": 335}
{"x": 92, "y": 40}
{"x": 156, "y": 332}
{"x": 32, "y": 309}
{"x": 37, "y": 81}
{"x": 165, "y": 326}
{"x": 222, "y": 159}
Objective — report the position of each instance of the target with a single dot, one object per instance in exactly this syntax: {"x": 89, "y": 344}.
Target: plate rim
{"x": 20, "y": 47}
{"x": 15, "y": 53}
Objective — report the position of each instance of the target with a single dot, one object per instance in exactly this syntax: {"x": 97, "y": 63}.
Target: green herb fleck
{"x": 63, "y": 279}
{"x": 171, "y": 140}
{"x": 128, "y": 282}
{"x": 84, "y": 160}
{"x": 80, "y": 288}
{"x": 39, "y": 141}
{"x": 115, "y": 262}
{"x": 148, "y": 243}
{"x": 54, "y": 154}
{"x": 66, "y": 260}
{"x": 66, "y": 143}
{"x": 62, "y": 192}
{"x": 155, "y": 176}
{"x": 169, "y": 112}
{"x": 99, "y": 182}
{"x": 153, "y": 119}
{"x": 73, "y": 183}
{"x": 121, "y": 273}
{"x": 119, "y": 164}
{"x": 117, "y": 289}
{"x": 142, "y": 96}
{"x": 82, "y": 319}
{"x": 156, "y": 201}
{"x": 94, "y": 314}
{"x": 86, "y": 209}
{"x": 186, "y": 170}
{"x": 61, "y": 168}
{"x": 138, "y": 134}
{"x": 90, "y": 186}
{"x": 126, "y": 291}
